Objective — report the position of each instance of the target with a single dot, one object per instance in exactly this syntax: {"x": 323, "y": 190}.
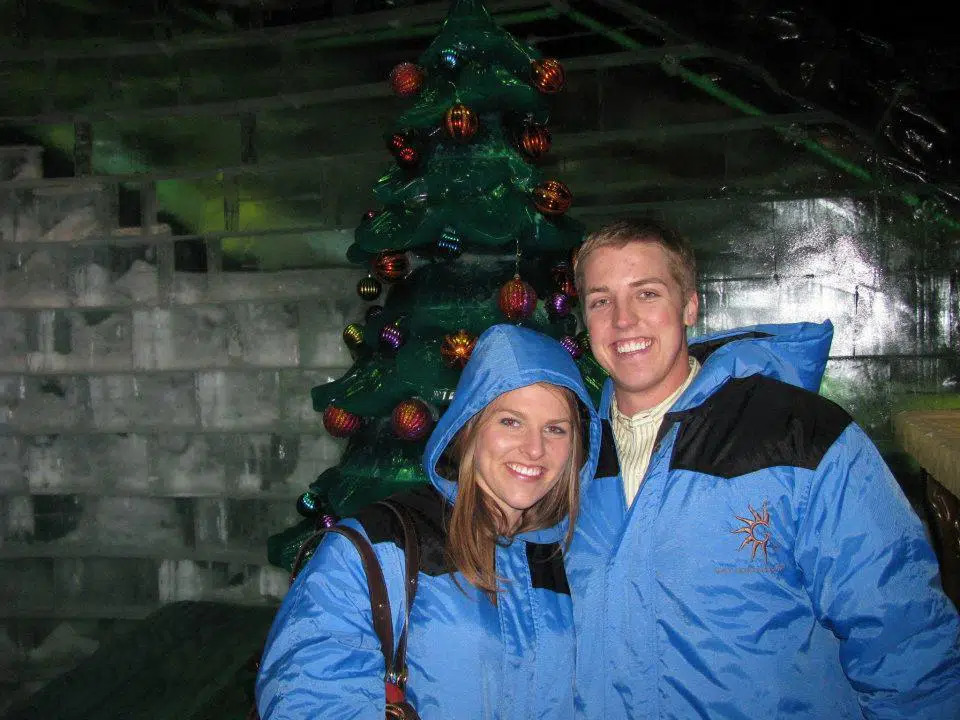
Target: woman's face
{"x": 522, "y": 448}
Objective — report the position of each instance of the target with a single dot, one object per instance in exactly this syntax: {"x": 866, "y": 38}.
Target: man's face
{"x": 637, "y": 319}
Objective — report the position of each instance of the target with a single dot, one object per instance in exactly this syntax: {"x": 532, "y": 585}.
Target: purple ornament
{"x": 328, "y": 521}
{"x": 559, "y": 305}
{"x": 571, "y": 345}
{"x": 391, "y": 338}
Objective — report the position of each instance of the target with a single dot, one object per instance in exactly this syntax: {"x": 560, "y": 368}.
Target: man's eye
{"x": 599, "y": 302}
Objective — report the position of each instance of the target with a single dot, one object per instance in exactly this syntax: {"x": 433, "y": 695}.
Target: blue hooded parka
{"x": 768, "y": 567}
{"x": 468, "y": 658}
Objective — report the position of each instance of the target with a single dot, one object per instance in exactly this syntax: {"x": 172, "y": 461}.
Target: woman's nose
{"x": 533, "y": 444}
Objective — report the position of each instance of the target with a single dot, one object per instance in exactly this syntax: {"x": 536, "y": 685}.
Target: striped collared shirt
{"x": 635, "y": 435}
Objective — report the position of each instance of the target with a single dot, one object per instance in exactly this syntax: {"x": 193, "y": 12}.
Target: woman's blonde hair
{"x": 476, "y": 520}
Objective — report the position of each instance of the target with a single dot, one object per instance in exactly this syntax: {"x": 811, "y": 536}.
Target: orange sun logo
{"x": 756, "y": 530}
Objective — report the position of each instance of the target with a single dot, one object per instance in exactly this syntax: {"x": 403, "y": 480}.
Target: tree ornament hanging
{"x": 457, "y": 348}
{"x": 559, "y": 305}
{"x": 369, "y": 288}
{"x": 534, "y": 140}
{"x": 391, "y": 265}
{"x": 308, "y": 505}
{"x": 340, "y": 423}
{"x": 450, "y": 244}
{"x": 373, "y": 312}
{"x": 403, "y": 147}
{"x": 369, "y": 216}
{"x": 392, "y": 338}
{"x": 563, "y": 280}
{"x": 571, "y": 345}
{"x": 353, "y": 336}
{"x": 552, "y": 197}
{"x": 461, "y": 122}
{"x": 518, "y": 299}
{"x": 412, "y": 419}
{"x": 406, "y": 79}
{"x": 548, "y": 75}
{"x": 407, "y": 157}
{"x": 449, "y": 59}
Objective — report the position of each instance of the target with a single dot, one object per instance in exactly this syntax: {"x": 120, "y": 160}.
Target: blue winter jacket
{"x": 468, "y": 658}
{"x": 769, "y": 566}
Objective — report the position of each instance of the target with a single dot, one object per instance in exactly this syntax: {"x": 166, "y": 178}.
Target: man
{"x": 743, "y": 552}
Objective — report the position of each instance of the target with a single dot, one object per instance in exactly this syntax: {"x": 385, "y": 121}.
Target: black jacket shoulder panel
{"x": 754, "y": 423}
{"x": 608, "y": 465}
{"x": 428, "y": 510}
{"x": 546, "y": 567}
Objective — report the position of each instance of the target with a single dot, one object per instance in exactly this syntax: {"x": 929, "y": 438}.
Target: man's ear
{"x": 691, "y": 309}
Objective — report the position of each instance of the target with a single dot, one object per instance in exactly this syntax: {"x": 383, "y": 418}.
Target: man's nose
{"x": 623, "y": 315}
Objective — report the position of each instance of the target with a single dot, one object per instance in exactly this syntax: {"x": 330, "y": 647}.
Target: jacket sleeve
{"x": 873, "y": 580}
{"x": 322, "y": 657}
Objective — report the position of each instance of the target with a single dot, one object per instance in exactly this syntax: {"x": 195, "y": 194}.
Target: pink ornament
{"x": 571, "y": 345}
{"x": 559, "y": 304}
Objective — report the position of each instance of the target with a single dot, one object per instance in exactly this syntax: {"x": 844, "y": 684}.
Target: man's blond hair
{"x": 680, "y": 256}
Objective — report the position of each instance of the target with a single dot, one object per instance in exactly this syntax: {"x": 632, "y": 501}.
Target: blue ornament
{"x": 450, "y": 243}
{"x": 450, "y": 59}
{"x": 373, "y": 312}
{"x": 308, "y": 505}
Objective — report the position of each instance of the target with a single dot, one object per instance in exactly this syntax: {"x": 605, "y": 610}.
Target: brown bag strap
{"x": 395, "y": 679}
{"x": 395, "y": 662}
{"x": 376, "y": 587}
{"x": 411, "y": 551}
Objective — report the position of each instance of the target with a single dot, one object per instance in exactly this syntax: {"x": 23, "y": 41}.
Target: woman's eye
{"x": 556, "y": 429}
{"x": 509, "y": 422}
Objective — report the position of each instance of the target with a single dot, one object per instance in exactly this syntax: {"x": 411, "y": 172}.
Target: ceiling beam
{"x": 562, "y": 141}
{"x": 410, "y": 16}
{"x": 328, "y": 96}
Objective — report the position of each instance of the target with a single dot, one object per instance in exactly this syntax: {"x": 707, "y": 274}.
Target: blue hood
{"x": 794, "y": 353}
{"x": 505, "y": 358}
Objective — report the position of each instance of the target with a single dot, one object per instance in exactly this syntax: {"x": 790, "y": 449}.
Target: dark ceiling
{"x": 868, "y": 95}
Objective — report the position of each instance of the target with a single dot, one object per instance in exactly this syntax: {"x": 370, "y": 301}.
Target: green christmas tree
{"x": 470, "y": 234}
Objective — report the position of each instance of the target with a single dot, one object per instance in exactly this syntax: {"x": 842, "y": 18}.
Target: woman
{"x": 491, "y": 632}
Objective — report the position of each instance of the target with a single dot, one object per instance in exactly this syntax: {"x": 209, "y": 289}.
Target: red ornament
{"x": 412, "y": 419}
{"x": 407, "y": 157}
{"x": 406, "y": 79}
{"x": 404, "y": 150}
{"x": 391, "y": 265}
{"x": 457, "y": 347}
{"x": 563, "y": 280}
{"x": 548, "y": 75}
{"x": 535, "y": 140}
{"x": 518, "y": 299}
{"x": 397, "y": 142}
{"x": 552, "y": 197}
{"x": 339, "y": 422}
{"x": 461, "y": 122}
